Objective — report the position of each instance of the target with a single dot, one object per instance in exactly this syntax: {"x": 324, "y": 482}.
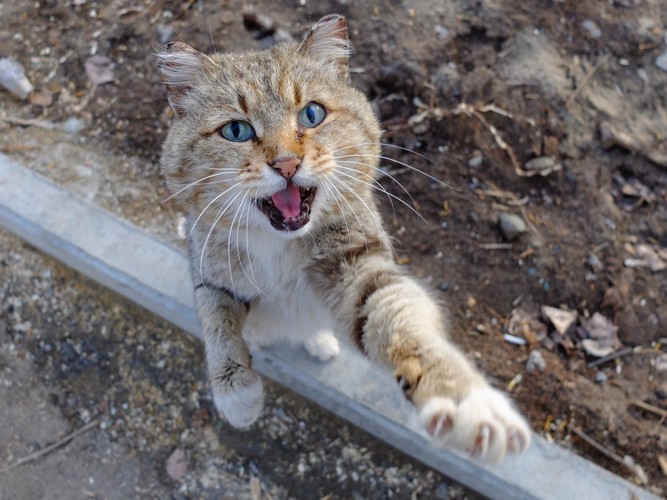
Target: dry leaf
{"x": 100, "y": 70}
{"x": 177, "y": 465}
{"x": 561, "y": 319}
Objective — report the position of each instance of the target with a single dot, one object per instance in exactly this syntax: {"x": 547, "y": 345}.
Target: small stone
{"x": 661, "y": 61}
{"x": 177, "y": 465}
{"x": 600, "y": 377}
{"x": 593, "y": 30}
{"x": 511, "y": 225}
{"x": 442, "y": 492}
{"x": 536, "y": 361}
{"x": 475, "y": 161}
{"x": 443, "y": 286}
{"x": 73, "y": 125}
{"x": 595, "y": 262}
{"x": 443, "y": 33}
{"x": 542, "y": 165}
{"x": 550, "y": 145}
{"x": 12, "y": 77}
{"x": 661, "y": 391}
{"x": 165, "y": 33}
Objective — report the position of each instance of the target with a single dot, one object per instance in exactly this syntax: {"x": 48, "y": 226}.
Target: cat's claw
{"x": 323, "y": 346}
{"x": 484, "y": 424}
{"x": 240, "y": 402}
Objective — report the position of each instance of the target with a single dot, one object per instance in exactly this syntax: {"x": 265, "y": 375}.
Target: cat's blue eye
{"x": 312, "y": 115}
{"x": 237, "y": 131}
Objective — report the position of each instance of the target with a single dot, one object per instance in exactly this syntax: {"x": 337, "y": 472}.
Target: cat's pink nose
{"x": 287, "y": 167}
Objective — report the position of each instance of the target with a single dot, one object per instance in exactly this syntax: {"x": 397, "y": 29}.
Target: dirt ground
{"x": 552, "y": 111}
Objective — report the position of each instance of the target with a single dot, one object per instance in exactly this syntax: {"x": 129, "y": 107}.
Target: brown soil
{"x": 553, "y": 84}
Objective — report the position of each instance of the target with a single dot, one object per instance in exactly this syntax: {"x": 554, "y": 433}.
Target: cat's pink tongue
{"x": 288, "y": 201}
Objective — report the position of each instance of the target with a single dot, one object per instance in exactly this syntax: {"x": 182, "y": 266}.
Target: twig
{"x": 27, "y": 122}
{"x": 611, "y": 357}
{"x": 16, "y": 148}
{"x": 649, "y": 407}
{"x": 587, "y": 79}
{"x": 51, "y": 447}
{"x": 496, "y": 246}
{"x": 636, "y": 469}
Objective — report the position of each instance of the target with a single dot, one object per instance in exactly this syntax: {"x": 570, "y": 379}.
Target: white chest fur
{"x": 285, "y": 305}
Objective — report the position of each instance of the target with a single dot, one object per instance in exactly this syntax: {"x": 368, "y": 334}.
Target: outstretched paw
{"x": 238, "y": 395}
{"x": 484, "y": 424}
{"x": 323, "y": 345}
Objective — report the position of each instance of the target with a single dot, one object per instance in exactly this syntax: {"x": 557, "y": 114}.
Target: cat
{"x": 274, "y": 155}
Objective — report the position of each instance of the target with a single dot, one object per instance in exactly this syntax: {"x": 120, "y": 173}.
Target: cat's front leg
{"x": 396, "y": 323}
{"x": 457, "y": 407}
{"x": 237, "y": 389}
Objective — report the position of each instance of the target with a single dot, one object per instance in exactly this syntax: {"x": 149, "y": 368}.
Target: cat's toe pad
{"x": 484, "y": 424}
{"x": 323, "y": 346}
{"x": 240, "y": 403}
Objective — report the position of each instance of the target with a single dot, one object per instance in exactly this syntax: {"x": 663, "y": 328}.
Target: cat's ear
{"x": 180, "y": 65}
{"x": 328, "y": 41}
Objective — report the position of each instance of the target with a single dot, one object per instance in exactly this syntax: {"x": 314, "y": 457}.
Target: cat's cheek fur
{"x": 484, "y": 424}
{"x": 241, "y": 406}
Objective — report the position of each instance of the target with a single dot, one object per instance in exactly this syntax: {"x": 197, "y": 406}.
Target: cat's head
{"x": 275, "y": 140}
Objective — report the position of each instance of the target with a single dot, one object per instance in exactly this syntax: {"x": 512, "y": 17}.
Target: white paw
{"x": 484, "y": 424}
{"x": 323, "y": 346}
{"x": 241, "y": 405}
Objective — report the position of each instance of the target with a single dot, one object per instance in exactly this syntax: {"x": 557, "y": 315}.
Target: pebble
{"x": 442, "y": 492}
{"x": 12, "y": 77}
{"x": 475, "y": 161}
{"x": 165, "y": 33}
{"x": 593, "y": 29}
{"x": 661, "y": 61}
{"x": 73, "y": 125}
{"x": 600, "y": 377}
{"x": 511, "y": 225}
{"x": 543, "y": 165}
{"x": 536, "y": 361}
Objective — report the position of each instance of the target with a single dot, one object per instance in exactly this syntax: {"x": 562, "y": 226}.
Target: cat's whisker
{"x": 194, "y": 184}
{"x": 378, "y": 223}
{"x": 382, "y": 172}
{"x": 361, "y": 226}
{"x": 377, "y": 186}
{"x": 229, "y": 246}
{"x": 219, "y": 216}
{"x": 356, "y": 195}
{"x": 382, "y": 190}
{"x": 363, "y": 202}
{"x": 406, "y": 165}
{"x": 252, "y": 279}
{"x": 209, "y": 205}
{"x": 386, "y": 145}
{"x": 247, "y": 245}
{"x": 331, "y": 196}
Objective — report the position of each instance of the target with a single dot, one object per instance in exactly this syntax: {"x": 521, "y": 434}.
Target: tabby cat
{"x": 274, "y": 156}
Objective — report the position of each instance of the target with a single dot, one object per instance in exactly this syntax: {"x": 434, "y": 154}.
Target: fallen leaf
{"x": 662, "y": 462}
{"x": 562, "y": 320}
{"x": 602, "y": 336}
{"x": 177, "y": 465}
{"x": 100, "y": 70}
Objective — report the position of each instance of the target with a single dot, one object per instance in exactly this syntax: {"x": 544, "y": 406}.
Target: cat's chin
{"x": 284, "y": 220}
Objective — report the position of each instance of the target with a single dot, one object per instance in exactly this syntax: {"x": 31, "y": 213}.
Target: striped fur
{"x": 255, "y": 284}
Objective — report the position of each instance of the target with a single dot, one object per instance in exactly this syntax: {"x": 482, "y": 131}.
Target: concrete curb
{"x": 156, "y": 276}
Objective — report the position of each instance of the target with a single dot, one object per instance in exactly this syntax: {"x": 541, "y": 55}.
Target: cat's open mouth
{"x": 289, "y": 209}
